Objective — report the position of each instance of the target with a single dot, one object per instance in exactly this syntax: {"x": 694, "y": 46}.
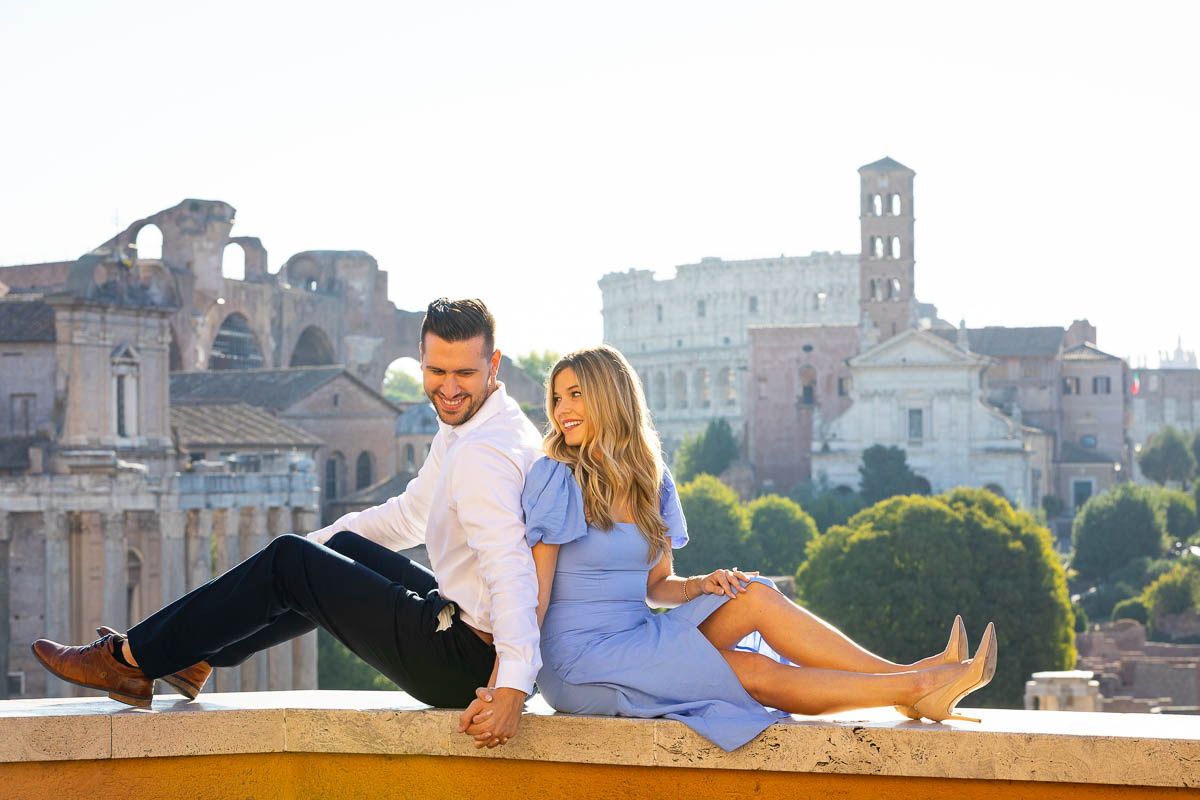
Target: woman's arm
{"x": 545, "y": 559}
{"x": 665, "y": 589}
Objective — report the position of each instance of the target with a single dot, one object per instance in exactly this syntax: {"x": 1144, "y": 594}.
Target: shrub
{"x": 717, "y": 524}
{"x": 1131, "y": 608}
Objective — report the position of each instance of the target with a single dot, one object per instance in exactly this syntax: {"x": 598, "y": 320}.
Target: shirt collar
{"x": 492, "y": 406}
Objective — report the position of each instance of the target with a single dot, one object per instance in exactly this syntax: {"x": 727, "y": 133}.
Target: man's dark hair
{"x": 459, "y": 320}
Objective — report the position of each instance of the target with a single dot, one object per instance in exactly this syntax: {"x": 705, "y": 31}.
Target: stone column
{"x": 227, "y": 553}
{"x": 279, "y": 657}
{"x": 198, "y": 546}
{"x": 58, "y": 589}
{"x": 116, "y": 604}
{"x": 172, "y": 525}
{"x": 4, "y": 610}
{"x": 304, "y": 648}
{"x": 253, "y": 536}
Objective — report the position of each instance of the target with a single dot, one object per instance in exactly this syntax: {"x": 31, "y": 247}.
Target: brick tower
{"x": 886, "y": 260}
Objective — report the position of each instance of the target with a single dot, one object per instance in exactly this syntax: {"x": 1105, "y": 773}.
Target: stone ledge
{"x": 1043, "y": 746}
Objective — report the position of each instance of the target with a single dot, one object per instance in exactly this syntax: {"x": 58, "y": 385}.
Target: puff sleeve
{"x": 672, "y": 512}
{"x": 553, "y": 504}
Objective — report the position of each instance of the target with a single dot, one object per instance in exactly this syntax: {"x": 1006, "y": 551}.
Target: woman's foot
{"x": 955, "y": 653}
{"x": 938, "y": 705}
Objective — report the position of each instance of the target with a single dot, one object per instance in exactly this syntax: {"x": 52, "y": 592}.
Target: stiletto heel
{"x": 955, "y": 653}
{"x": 939, "y": 704}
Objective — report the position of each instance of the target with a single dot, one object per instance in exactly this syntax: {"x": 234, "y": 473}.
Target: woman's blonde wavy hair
{"x": 622, "y": 459}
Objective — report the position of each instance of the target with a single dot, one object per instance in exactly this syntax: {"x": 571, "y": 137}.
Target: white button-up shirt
{"x": 465, "y": 506}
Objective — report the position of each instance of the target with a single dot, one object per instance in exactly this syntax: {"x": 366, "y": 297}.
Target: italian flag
{"x": 1137, "y": 382}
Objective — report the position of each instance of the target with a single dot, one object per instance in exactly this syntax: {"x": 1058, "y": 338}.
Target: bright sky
{"x": 518, "y": 151}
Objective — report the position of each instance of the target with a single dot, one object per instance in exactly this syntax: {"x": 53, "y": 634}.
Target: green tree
{"x": 717, "y": 526}
{"x": 400, "y": 387}
{"x": 1178, "y": 512}
{"x": 538, "y": 365}
{"x": 885, "y": 473}
{"x": 338, "y": 668}
{"x": 896, "y": 574}
{"x": 1131, "y": 608}
{"x": 779, "y": 532}
{"x": 1114, "y": 528}
{"x": 1175, "y": 592}
{"x": 1167, "y": 456}
{"x": 710, "y": 452}
{"x": 827, "y": 505}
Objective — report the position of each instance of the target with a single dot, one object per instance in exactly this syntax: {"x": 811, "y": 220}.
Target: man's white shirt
{"x": 465, "y": 507}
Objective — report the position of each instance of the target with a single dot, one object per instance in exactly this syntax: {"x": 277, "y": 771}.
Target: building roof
{"x": 1001, "y": 342}
{"x": 885, "y": 164}
{"x": 379, "y": 492}
{"x": 274, "y": 389}
{"x": 26, "y": 320}
{"x": 1088, "y": 352}
{"x": 420, "y": 419}
{"x": 235, "y": 425}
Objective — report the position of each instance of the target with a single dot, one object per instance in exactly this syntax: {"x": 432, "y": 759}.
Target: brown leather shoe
{"x": 188, "y": 682}
{"x": 95, "y": 667}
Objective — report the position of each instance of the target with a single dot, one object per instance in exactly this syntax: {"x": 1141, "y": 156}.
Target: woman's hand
{"x": 726, "y": 582}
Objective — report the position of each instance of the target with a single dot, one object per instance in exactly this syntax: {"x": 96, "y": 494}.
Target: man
{"x": 438, "y": 638}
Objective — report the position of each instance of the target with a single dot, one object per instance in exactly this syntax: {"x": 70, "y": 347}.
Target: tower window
{"x": 895, "y": 247}
{"x": 819, "y": 301}
{"x": 894, "y": 288}
{"x": 1101, "y": 384}
{"x": 877, "y": 205}
{"x": 877, "y": 246}
{"x": 895, "y": 205}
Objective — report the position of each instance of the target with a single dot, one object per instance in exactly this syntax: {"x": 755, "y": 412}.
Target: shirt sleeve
{"x": 400, "y": 522}
{"x": 672, "y": 511}
{"x": 486, "y": 493}
{"x": 553, "y": 504}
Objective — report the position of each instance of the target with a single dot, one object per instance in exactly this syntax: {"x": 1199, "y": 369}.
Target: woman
{"x": 602, "y": 516}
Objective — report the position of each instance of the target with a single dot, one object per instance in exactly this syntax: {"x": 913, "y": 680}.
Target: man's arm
{"x": 400, "y": 522}
{"x": 486, "y": 487}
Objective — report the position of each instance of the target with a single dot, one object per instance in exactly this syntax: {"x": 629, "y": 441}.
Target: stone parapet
{"x": 224, "y": 738}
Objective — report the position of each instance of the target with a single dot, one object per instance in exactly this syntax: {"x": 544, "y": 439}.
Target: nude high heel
{"x": 955, "y": 653}
{"x": 939, "y": 704}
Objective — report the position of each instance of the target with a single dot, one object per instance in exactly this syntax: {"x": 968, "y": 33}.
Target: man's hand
{"x": 493, "y": 716}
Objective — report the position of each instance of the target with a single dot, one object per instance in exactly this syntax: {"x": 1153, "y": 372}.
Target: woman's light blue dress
{"x": 603, "y": 650}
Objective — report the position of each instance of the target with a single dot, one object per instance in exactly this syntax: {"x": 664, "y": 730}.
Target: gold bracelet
{"x": 686, "y": 599}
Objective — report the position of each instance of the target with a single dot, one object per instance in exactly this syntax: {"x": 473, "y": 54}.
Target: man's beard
{"x": 467, "y": 410}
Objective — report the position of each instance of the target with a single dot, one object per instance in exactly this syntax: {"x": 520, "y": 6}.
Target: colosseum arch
{"x": 233, "y": 261}
{"x": 312, "y": 349}
{"x": 235, "y": 346}
{"x": 147, "y": 242}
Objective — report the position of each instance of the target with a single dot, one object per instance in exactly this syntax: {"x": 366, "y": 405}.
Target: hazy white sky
{"x": 518, "y": 151}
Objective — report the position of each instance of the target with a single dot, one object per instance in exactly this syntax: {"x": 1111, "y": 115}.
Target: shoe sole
{"x": 185, "y": 688}
{"x": 120, "y": 697}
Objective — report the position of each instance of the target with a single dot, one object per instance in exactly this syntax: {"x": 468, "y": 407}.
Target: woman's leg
{"x": 795, "y": 633}
{"x": 809, "y": 690}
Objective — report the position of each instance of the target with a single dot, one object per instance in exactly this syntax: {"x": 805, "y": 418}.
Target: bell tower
{"x": 886, "y": 293}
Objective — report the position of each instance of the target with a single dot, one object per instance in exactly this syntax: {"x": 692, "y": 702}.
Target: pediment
{"x": 915, "y": 348}
{"x": 125, "y": 352}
